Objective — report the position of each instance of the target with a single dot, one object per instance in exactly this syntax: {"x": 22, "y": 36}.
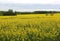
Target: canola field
{"x": 30, "y": 27}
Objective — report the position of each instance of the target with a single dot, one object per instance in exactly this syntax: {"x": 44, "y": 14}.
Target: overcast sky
{"x": 32, "y": 1}
{"x": 29, "y": 4}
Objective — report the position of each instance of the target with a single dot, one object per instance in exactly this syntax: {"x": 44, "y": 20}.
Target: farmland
{"x": 30, "y": 27}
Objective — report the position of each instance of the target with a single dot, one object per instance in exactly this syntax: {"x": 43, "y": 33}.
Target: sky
{"x": 30, "y": 5}
{"x": 31, "y": 1}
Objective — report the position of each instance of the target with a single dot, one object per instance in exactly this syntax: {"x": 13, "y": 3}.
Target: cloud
{"x": 29, "y": 7}
{"x": 29, "y": 4}
{"x": 31, "y": 1}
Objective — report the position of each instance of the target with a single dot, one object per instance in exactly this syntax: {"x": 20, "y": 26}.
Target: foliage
{"x": 10, "y": 12}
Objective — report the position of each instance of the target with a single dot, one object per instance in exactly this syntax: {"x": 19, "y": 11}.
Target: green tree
{"x": 9, "y": 12}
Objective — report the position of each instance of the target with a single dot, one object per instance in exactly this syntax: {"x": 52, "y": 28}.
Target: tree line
{"x": 11, "y": 13}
